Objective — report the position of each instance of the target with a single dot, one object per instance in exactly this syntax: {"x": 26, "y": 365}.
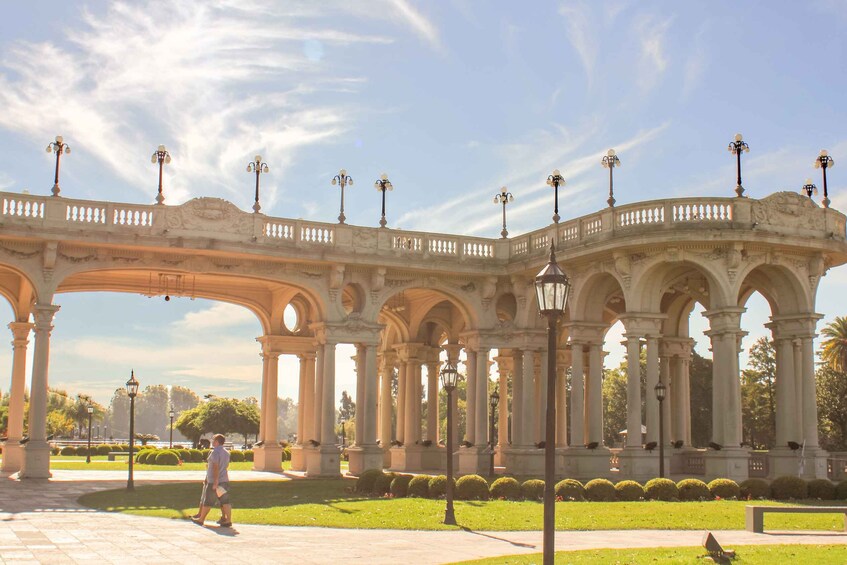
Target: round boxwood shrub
{"x": 693, "y": 489}
{"x": 236, "y": 456}
{"x": 418, "y": 487}
{"x": 196, "y": 455}
{"x": 83, "y": 450}
{"x": 841, "y": 490}
{"x": 103, "y": 449}
{"x": 629, "y": 491}
{"x": 821, "y": 489}
{"x": 471, "y": 487}
{"x": 754, "y": 489}
{"x": 366, "y": 480}
{"x": 183, "y": 454}
{"x": 68, "y": 450}
{"x": 382, "y": 485}
{"x": 661, "y": 489}
{"x": 506, "y": 488}
{"x": 726, "y": 489}
{"x": 248, "y": 455}
{"x": 400, "y": 485}
{"x": 205, "y": 453}
{"x": 600, "y": 490}
{"x": 438, "y": 486}
{"x": 53, "y": 450}
{"x": 570, "y": 489}
{"x": 142, "y": 456}
{"x": 789, "y": 487}
{"x": 166, "y": 457}
{"x": 533, "y": 489}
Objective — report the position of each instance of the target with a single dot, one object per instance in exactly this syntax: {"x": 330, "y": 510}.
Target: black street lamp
{"x": 737, "y": 147}
{"x": 824, "y": 161}
{"x": 342, "y": 180}
{"x": 171, "y": 439}
{"x": 661, "y": 389}
{"x": 493, "y": 400}
{"x": 382, "y": 184}
{"x": 610, "y": 161}
{"x": 556, "y": 180}
{"x": 551, "y": 288}
{"x": 90, "y": 411}
{"x": 131, "y": 391}
{"x": 162, "y": 157}
{"x": 58, "y": 147}
{"x": 809, "y": 188}
{"x": 503, "y": 198}
{"x": 449, "y": 380}
{"x": 258, "y": 167}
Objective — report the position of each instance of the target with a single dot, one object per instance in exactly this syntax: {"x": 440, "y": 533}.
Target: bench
{"x": 113, "y": 454}
{"x": 755, "y": 515}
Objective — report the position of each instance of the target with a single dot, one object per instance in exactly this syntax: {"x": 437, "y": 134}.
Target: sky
{"x": 451, "y": 99}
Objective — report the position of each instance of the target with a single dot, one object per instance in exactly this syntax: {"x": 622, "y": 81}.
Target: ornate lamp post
{"x": 661, "y": 389}
{"x": 162, "y": 157}
{"x": 131, "y": 391}
{"x": 503, "y": 198}
{"x": 493, "y": 400}
{"x": 449, "y": 379}
{"x": 809, "y": 188}
{"x": 737, "y": 147}
{"x": 551, "y": 288}
{"x": 342, "y": 180}
{"x": 258, "y": 167}
{"x": 90, "y": 411}
{"x": 171, "y": 439}
{"x": 824, "y": 161}
{"x": 382, "y": 184}
{"x": 610, "y": 161}
{"x": 556, "y": 180}
{"x": 58, "y": 147}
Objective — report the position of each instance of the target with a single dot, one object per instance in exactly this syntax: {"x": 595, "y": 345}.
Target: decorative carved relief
{"x": 22, "y": 251}
{"x": 364, "y": 238}
{"x": 210, "y": 214}
{"x": 789, "y": 210}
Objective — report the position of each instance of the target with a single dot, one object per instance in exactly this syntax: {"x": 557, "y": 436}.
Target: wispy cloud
{"x": 650, "y": 33}
{"x": 419, "y": 23}
{"x": 579, "y": 33}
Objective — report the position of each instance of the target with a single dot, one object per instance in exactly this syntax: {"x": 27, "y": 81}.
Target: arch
{"x": 17, "y": 288}
{"x": 781, "y": 287}
{"x": 699, "y": 280}
{"x": 353, "y": 298}
{"x": 592, "y": 296}
{"x": 506, "y": 307}
{"x": 421, "y": 294}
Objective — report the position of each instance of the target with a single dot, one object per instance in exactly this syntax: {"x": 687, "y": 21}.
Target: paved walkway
{"x": 41, "y": 522}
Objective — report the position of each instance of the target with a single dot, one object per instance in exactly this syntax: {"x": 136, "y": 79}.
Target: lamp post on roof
{"x": 342, "y": 180}
{"x": 610, "y": 161}
{"x": 737, "y": 147}
{"x": 556, "y": 180}
{"x": 258, "y": 167}
{"x": 162, "y": 157}
{"x": 824, "y": 161}
{"x": 58, "y": 147}
{"x": 809, "y": 188}
{"x": 503, "y": 197}
{"x": 382, "y": 184}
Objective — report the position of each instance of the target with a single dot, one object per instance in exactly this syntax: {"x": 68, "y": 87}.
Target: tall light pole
{"x": 737, "y": 147}
{"x": 258, "y": 167}
{"x": 342, "y": 180}
{"x": 58, "y": 147}
{"x": 171, "y": 439}
{"x": 162, "y": 157}
{"x": 131, "y": 391}
{"x": 824, "y": 161}
{"x": 493, "y": 400}
{"x": 449, "y": 380}
{"x": 809, "y": 188}
{"x": 556, "y": 180}
{"x": 90, "y": 411}
{"x": 661, "y": 389}
{"x": 382, "y": 184}
{"x": 610, "y": 161}
{"x": 551, "y": 288}
{"x": 504, "y": 197}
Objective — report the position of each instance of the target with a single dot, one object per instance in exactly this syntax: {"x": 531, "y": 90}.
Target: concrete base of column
{"x": 407, "y": 458}
{"x": 640, "y": 465}
{"x": 36, "y": 461}
{"x": 267, "y": 458}
{"x": 679, "y": 459}
{"x": 474, "y": 460}
{"x": 728, "y": 463}
{"x": 323, "y": 461}
{"x": 13, "y": 456}
{"x": 524, "y": 461}
{"x": 386, "y": 458}
{"x": 364, "y": 458}
{"x": 583, "y": 464}
{"x": 784, "y": 461}
{"x": 298, "y": 458}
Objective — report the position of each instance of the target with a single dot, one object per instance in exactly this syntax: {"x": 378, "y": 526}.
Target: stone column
{"x": 371, "y": 393}
{"x": 725, "y": 332}
{"x": 797, "y": 374}
{"x": 270, "y": 408}
{"x": 320, "y": 361}
{"x": 263, "y": 396}
{"x": 268, "y": 455}
{"x": 432, "y": 402}
{"x": 401, "y": 402}
{"x": 672, "y": 400}
{"x": 453, "y": 350}
{"x": 530, "y": 416}
{"x": 309, "y": 398}
{"x": 36, "y": 461}
{"x": 328, "y": 397}
{"x": 633, "y": 391}
{"x": 471, "y": 403}
{"x": 810, "y": 407}
{"x": 503, "y": 409}
{"x": 685, "y": 367}
{"x": 385, "y": 401}
{"x": 541, "y": 395}
{"x": 360, "y": 393}
{"x": 577, "y": 394}
{"x": 482, "y": 395}
{"x": 594, "y": 396}
{"x": 413, "y": 401}
{"x": 563, "y": 361}
{"x": 518, "y": 439}
{"x": 652, "y": 404}
{"x": 301, "y": 398}
{"x": 785, "y": 392}
{"x": 13, "y": 450}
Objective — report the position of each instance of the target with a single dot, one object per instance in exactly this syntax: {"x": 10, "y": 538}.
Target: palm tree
{"x": 834, "y": 347}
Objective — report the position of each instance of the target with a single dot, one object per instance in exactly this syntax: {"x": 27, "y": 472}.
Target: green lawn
{"x": 331, "y": 503}
{"x": 746, "y": 554}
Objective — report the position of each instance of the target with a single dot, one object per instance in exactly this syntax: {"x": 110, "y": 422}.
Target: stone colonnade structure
{"x": 408, "y": 301}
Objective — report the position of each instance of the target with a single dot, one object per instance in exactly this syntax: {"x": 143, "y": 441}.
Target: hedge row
{"x": 474, "y": 487}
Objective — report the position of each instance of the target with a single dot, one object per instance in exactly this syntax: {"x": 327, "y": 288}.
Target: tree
{"x": 59, "y": 424}
{"x": 347, "y": 411}
{"x": 190, "y": 424}
{"x": 151, "y": 410}
{"x": 614, "y": 406}
{"x": 757, "y": 396}
{"x": 832, "y": 407}
{"x": 117, "y": 418}
{"x": 834, "y": 347}
{"x": 700, "y": 385}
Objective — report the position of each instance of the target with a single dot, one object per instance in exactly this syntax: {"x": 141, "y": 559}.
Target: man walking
{"x": 216, "y": 485}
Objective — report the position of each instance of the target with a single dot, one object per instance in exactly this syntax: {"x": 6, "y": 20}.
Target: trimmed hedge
{"x": 400, "y": 485}
{"x": 471, "y": 487}
{"x": 533, "y": 489}
{"x": 366, "y": 480}
{"x": 629, "y": 491}
{"x": 183, "y": 454}
{"x": 570, "y": 489}
{"x": 661, "y": 489}
{"x": 68, "y": 450}
{"x": 754, "y": 489}
{"x": 694, "y": 489}
{"x": 821, "y": 489}
{"x": 205, "y": 453}
{"x": 382, "y": 485}
{"x": 841, "y": 490}
{"x": 103, "y": 449}
{"x": 83, "y": 450}
{"x": 600, "y": 490}
{"x": 725, "y": 488}
{"x": 438, "y": 486}
{"x": 506, "y": 488}
{"x": 53, "y": 450}
{"x": 248, "y": 455}
{"x": 418, "y": 487}
{"x": 789, "y": 487}
{"x": 196, "y": 455}
{"x": 236, "y": 456}
{"x": 164, "y": 458}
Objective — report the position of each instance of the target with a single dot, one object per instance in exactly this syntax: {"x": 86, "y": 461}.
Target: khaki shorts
{"x": 211, "y": 498}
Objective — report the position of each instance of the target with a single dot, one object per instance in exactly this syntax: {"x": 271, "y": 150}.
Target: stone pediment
{"x": 789, "y": 210}
{"x": 210, "y": 214}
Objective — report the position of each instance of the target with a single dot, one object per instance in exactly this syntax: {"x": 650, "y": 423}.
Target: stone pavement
{"x": 41, "y": 522}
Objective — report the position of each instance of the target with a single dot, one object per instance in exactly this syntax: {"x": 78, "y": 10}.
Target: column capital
{"x": 452, "y": 350}
{"x": 20, "y": 332}
{"x": 585, "y": 332}
{"x": 643, "y": 323}
{"x": 725, "y": 319}
{"x": 408, "y": 352}
{"x": 286, "y": 344}
{"x": 794, "y": 325}
{"x": 43, "y": 314}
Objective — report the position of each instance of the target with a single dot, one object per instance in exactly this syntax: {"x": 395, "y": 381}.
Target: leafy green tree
{"x": 117, "y": 417}
{"x": 190, "y": 424}
{"x": 614, "y": 406}
{"x": 700, "y": 385}
{"x": 461, "y": 393}
{"x": 832, "y": 407}
{"x": 834, "y": 347}
{"x": 347, "y": 410}
{"x": 151, "y": 410}
{"x": 59, "y": 423}
{"x": 757, "y": 395}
